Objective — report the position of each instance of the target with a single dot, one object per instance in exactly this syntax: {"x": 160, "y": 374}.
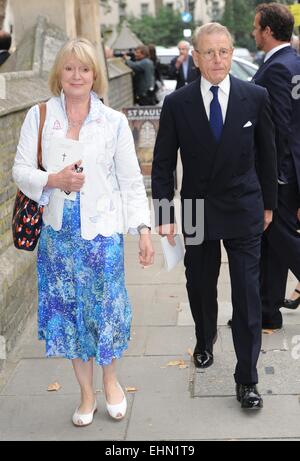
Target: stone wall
{"x": 17, "y": 269}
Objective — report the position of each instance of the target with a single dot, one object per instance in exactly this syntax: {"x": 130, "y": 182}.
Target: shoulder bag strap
{"x": 42, "y": 108}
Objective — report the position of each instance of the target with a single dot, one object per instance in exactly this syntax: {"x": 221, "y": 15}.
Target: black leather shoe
{"x": 249, "y": 397}
{"x": 203, "y": 359}
{"x": 292, "y": 303}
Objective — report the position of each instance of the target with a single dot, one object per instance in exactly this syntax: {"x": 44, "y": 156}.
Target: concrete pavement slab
{"x": 185, "y": 317}
{"x": 178, "y": 417}
{"x": 170, "y": 340}
{"x": 155, "y": 374}
{"x": 155, "y": 314}
{"x": 49, "y": 418}
{"x": 278, "y": 374}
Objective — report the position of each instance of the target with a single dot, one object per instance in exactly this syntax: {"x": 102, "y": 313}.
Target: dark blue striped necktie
{"x": 216, "y": 119}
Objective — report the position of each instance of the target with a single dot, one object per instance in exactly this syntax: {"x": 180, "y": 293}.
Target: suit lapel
{"x": 195, "y": 114}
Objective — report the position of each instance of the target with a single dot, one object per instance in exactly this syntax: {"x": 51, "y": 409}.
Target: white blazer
{"x": 113, "y": 198}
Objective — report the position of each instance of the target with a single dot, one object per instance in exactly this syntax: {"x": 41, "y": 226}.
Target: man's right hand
{"x": 179, "y": 61}
{"x": 169, "y": 231}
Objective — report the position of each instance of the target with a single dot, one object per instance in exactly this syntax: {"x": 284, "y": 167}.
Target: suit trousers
{"x": 202, "y": 263}
{"x": 280, "y": 252}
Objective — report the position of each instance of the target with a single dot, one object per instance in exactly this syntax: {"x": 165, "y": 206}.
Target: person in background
{"x": 159, "y": 83}
{"x": 182, "y": 67}
{"x": 143, "y": 76}
{"x": 84, "y": 313}
{"x": 294, "y": 301}
{"x": 272, "y": 29}
{"x": 5, "y": 44}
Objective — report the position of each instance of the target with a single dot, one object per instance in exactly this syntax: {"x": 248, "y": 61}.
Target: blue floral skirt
{"x": 83, "y": 305}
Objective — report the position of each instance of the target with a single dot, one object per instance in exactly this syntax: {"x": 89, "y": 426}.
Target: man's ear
{"x": 195, "y": 58}
{"x": 268, "y": 31}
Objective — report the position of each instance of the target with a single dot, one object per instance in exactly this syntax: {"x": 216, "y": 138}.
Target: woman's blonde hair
{"x": 86, "y": 52}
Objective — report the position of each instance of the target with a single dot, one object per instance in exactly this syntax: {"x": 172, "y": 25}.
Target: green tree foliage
{"x": 166, "y": 29}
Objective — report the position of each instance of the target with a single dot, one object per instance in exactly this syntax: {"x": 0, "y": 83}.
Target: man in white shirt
{"x": 224, "y": 130}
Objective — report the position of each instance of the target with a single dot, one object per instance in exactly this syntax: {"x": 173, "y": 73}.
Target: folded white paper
{"x": 61, "y": 153}
{"x": 172, "y": 254}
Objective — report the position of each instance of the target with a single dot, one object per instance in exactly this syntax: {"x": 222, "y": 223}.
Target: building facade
{"x": 202, "y": 10}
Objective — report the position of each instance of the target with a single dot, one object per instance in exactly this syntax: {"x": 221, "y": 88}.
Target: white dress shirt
{"x": 223, "y": 95}
{"x": 113, "y": 198}
{"x": 274, "y": 50}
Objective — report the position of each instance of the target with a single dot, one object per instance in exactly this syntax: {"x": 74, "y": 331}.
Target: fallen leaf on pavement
{"x": 54, "y": 387}
{"x": 130, "y": 389}
{"x": 177, "y": 363}
{"x": 268, "y": 332}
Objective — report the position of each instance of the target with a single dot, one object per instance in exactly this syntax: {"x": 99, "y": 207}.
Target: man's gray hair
{"x": 185, "y": 42}
{"x": 210, "y": 28}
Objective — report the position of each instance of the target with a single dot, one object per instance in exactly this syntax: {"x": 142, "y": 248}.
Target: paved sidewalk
{"x": 172, "y": 400}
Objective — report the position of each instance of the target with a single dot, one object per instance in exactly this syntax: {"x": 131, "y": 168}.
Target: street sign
{"x": 295, "y": 10}
{"x": 187, "y": 17}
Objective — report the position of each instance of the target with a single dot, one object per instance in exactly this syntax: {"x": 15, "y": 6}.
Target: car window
{"x": 239, "y": 72}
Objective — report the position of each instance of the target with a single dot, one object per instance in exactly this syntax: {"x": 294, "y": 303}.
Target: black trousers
{"x": 202, "y": 264}
{"x": 280, "y": 252}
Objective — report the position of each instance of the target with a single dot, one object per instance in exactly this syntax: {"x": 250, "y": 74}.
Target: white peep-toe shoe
{"x": 118, "y": 410}
{"x": 84, "y": 419}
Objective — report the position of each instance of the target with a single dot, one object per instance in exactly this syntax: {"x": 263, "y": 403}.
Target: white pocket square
{"x": 247, "y": 124}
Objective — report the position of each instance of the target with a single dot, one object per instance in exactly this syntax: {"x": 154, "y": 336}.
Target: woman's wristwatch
{"x": 143, "y": 226}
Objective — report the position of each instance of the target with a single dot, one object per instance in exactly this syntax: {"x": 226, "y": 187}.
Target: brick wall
{"x": 17, "y": 269}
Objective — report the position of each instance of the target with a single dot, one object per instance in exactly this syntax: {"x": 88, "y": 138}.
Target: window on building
{"x": 192, "y": 8}
{"x": 215, "y": 10}
{"x": 144, "y": 9}
{"x": 122, "y": 9}
{"x": 170, "y": 6}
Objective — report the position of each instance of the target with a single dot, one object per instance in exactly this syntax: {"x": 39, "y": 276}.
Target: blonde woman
{"x": 84, "y": 313}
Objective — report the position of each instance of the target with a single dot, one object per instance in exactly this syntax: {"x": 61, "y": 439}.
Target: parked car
{"x": 243, "y": 53}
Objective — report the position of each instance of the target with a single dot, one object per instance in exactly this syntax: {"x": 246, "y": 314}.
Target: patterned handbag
{"x": 27, "y": 214}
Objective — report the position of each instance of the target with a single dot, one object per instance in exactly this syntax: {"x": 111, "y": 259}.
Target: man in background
{"x": 279, "y": 74}
{"x": 143, "y": 76}
{"x": 182, "y": 68}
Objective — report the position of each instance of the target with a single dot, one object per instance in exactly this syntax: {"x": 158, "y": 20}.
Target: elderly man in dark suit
{"x": 280, "y": 75}
{"x": 5, "y": 44}
{"x": 182, "y": 68}
{"x": 225, "y": 133}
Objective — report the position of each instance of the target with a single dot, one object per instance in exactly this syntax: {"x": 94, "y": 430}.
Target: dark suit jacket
{"x": 178, "y": 75}
{"x": 237, "y": 177}
{"x": 276, "y": 75}
{"x": 4, "y": 56}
